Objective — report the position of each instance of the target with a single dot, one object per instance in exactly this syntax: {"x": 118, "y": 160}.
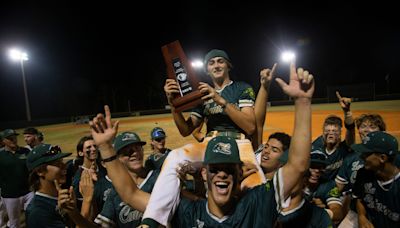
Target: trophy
{"x": 179, "y": 69}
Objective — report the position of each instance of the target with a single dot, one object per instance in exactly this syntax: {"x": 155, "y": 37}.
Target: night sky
{"x": 83, "y": 58}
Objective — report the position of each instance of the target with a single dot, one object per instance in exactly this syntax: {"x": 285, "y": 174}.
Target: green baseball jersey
{"x": 326, "y": 191}
{"x": 257, "y": 208}
{"x": 334, "y": 159}
{"x": 239, "y": 94}
{"x": 102, "y": 190}
{"x": 14, "y": 173}
{"x": 42, "y": 212}
{"x": 156, "y": 160}
{"x": 75, "y": 183}
{"x": 381, "y": 201}
{"x": 348, "y": 171}
{"x": 117, "y": 213}
{"x": 307, "y": 215}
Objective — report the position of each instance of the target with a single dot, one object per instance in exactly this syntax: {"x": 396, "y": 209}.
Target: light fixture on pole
{"x": 20, "y": 56}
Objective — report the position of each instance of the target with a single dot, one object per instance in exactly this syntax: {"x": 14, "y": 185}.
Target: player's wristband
{"x": 150, "y": 223}
{"x": 350, "y": 126}
{"x": 223, "y": 106}
{"x": 112, "y": 158}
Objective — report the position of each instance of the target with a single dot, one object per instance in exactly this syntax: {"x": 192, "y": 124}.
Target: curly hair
{"x": 375, "y": 119}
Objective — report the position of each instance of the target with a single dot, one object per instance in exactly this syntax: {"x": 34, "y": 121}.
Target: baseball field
{"x": 278, "y": 118}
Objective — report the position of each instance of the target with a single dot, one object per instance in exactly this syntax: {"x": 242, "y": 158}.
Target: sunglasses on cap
{"x": 53, "y": 151}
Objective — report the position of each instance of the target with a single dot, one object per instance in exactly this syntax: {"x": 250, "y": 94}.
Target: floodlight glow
{"x": 288, "y": 56}
{"x": 17, "y": 55}
{"x": 197, "y": 64}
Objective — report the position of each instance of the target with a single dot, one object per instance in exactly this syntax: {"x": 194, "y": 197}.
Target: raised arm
{"x": 301, "y": 89}
{"x": 345, "y": 103}
{"x": 243, "y": 117}
{"x": 260, "y": 107}
{"x": 103, "y": 132}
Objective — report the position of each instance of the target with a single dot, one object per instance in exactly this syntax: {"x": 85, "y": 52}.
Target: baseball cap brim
{"x": 360, "y": 148}
{"x": 128, "y": 143}
{"x": 318, "y": 161}
{"x": 48, "y": 159}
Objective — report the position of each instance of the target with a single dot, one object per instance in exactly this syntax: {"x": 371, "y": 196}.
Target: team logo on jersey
{"x": 200, "y": 224}
{"x": 106, "y": 194}
{"x": 128, "y": 214}
{"x": 223, "y": 148}
{"x": 369, "y": 189}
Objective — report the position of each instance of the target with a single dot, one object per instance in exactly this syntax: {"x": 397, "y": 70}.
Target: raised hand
{"x": 86, "y": 186}
{"x": 344, "y": 102}
{"x": 192, "y": 168}
{"x": 266, "y": 76}
{"x": 170, "y": 87}
{"x": 248, "y": 169}
{"x": 103, "y": 130}
{"x": 66, "y": 198}
{"x": 301, "y": 83}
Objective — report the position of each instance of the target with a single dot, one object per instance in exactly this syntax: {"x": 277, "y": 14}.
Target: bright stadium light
{"x": 17, "y": 55}
{"x": 288, "y": 56}
{"x": 197, "y": 64}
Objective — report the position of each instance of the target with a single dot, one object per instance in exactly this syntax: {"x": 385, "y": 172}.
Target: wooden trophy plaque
{"x": 179, "y": 69}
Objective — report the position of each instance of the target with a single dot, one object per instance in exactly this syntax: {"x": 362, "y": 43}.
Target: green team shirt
{"x": 14, "y": 173}
{"x": 100, "y": 186}
{"x": 42, "y": 212}
{"x": 335, "y": 159}
{"x": 156, "y": 160}
{"x": 239, "y": 94}
{"x": 307, "y": 215}
{"x": 348, "y": 171}
{"x": 327, "y": 192}
{"x": 102, "y": 190}
{"x": 381, "y": 201}
{"x": 258, "y": 207}
{"x": 119, "y": 214}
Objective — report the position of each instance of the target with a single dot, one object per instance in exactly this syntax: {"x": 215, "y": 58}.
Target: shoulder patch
{"x": 334, "y": 192}
{"x": 268, "y": 185}
{"x": 249, "y": 91}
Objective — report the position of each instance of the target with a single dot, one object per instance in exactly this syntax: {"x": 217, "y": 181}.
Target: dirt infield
{"x": 278, "y": 119}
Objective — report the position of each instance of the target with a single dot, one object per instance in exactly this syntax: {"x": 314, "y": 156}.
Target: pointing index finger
{"x": 58, "y": 186}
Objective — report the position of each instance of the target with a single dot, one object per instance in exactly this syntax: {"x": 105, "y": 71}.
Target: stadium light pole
{"x": 20, "y": 56}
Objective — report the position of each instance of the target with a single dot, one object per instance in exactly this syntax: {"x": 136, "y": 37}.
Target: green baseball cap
{"x": 126, "y": 138}
{"x": 222, "y": 149}
{"x": 377, "y": 142}
{"x": 316, "y": 157}
{"x": 42, "y": 154}
{"x": 215, "y": 53}
{"x": 7, "y": 133}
